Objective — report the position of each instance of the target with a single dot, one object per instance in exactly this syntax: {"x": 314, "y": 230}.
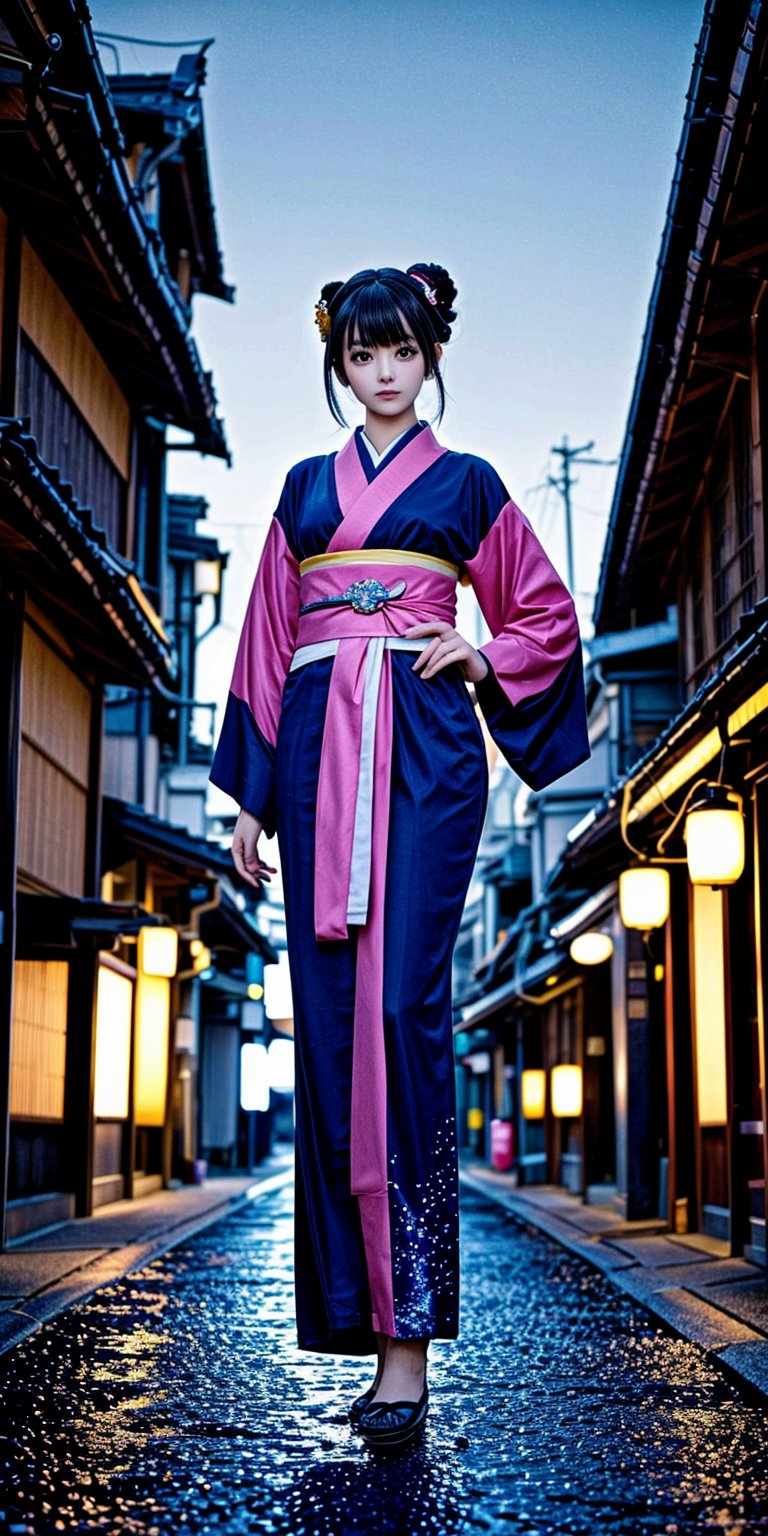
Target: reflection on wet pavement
{"x": 176, "y": 1400}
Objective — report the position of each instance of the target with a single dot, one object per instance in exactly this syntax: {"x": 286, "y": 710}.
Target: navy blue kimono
{"x": 375, "y": 780}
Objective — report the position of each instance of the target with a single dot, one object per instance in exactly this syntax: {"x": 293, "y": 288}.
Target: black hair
{"x": 373, "y": 305}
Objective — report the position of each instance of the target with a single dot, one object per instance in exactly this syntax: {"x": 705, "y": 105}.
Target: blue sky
{"x": 528, "y": 147}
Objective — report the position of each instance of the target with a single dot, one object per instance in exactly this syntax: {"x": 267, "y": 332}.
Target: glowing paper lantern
{"x": 281, "y": 1066}
{"x": 566, "y": 1092}
{"x": 153, "y": 1001}
{"x": 714, "y": 837}
{"x": 254, "y": 1076}
{"x": 114, "y": 1005}
{"x": 534, "y": 1093}
{"x": 644, "y": 896}
{"x": 158, "y": 951}
{"x": 207, "y": 578}
{"x": 591, "y": 948}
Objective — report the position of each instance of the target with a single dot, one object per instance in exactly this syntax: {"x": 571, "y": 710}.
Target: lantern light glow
{"x": 567, "y": 1093}
{"x": 714, "y": 837}
{"x": 254, "y": 1076}
{"x": 534, "y": 1093}
{"x": 207, "y": 578}
{"x": 644, "y": 896}
{"x": 591, "y": 948}
{"x": 202, "y": 960}
{"x": 281, "y": 1067}
{"x": 158, "y": 951}
{"x": 114, "y": 1006}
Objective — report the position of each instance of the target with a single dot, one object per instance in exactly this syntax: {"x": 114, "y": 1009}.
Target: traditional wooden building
{"x": 100, "y": 253}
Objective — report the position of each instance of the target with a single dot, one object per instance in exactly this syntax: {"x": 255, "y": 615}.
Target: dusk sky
{"x": 528, "y": 147}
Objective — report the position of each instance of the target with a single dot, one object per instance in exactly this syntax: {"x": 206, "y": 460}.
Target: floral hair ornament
{"x": 323, "y": 319}
{"x": 429, "y": 291}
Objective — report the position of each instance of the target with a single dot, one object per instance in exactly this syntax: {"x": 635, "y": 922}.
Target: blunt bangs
{"x": 373, "y": 317}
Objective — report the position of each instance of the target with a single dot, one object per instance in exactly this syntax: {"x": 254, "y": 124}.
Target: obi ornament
{"x": 366, "y": 596}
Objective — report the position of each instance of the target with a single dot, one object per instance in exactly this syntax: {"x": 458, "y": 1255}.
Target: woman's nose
{"x": 386, "y": 367}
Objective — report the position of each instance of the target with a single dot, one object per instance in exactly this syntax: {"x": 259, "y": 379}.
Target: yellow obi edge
{"x": 379, "y": 557}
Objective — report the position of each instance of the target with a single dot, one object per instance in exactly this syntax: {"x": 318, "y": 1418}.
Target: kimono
{"x": 375, "y": 780}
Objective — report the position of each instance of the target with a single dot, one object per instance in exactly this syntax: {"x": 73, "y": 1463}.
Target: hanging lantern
{"x": 714, "y": 837}
{"x": 534, "y": 1093}
{"x": 566, "y": 1092}
{"x": 591, "y": 948}
{"x": 158, "y": 951}
{"x": 202, "y": 960}
{"x": 644, "y": 896}
{"x": 207, "y": 578}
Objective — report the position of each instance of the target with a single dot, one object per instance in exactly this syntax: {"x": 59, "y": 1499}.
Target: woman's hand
{"x": 245, "y": 851}
{"x": 448, "y": 648}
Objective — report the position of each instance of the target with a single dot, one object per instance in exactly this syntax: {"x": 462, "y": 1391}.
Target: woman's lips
{"x": 387, "y": 394}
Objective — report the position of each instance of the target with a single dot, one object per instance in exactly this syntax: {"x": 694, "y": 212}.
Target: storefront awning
{"x": 128, "y": 829}
{"x": 532, "y": 982}
{"x": 63, "y": 922}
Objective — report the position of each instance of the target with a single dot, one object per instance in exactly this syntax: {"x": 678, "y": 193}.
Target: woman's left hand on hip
{"x": 448, "y": 648}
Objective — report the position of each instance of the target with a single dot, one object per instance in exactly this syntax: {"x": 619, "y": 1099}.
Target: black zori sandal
{"x": 386, "y": 1425}
{"x": 359, "y": 1406}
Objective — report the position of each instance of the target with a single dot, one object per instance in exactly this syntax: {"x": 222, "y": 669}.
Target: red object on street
{"x": 502, "y": 1145}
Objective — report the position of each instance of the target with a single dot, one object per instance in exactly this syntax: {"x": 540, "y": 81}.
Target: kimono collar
{"x": 371, "y": 459}
{"x": 363, "y": 501}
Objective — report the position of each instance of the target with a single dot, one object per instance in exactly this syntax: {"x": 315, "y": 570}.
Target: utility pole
{"x": 563, "y": 483}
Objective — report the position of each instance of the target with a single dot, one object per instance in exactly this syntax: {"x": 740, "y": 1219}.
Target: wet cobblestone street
{"x": 176, "y": 1400}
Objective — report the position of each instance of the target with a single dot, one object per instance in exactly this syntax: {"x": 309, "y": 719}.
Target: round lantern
{"x": 644, "y": 896}
{"x": 591, "y": 948}
{"x": 714, "y": 837}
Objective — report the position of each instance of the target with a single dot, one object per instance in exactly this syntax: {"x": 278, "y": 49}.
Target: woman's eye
{"x": 406, "y": 352}
{"x": 360, "y": 357}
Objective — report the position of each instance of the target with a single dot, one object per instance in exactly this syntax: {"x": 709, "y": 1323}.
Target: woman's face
{"x": 386, "y": 380}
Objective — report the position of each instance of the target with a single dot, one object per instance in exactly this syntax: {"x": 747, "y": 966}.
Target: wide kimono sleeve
{"x": 533, "y": 695}
{"x": 243, "y": 764}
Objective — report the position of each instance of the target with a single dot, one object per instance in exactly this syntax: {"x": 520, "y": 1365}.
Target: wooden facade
{"x": 95, "y": 355}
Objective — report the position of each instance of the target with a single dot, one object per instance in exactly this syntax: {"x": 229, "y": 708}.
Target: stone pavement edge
{"x": 687, "y": 1281}
{"x": 45, "y": 1272}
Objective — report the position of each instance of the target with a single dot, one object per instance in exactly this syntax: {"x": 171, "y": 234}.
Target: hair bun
{"x": 444, "y": 289}
{"x": 329, "y": 291}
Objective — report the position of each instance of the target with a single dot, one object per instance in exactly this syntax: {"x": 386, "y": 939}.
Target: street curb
{"x": 51, "y": 1301}
{"x": 740, "y": 1353}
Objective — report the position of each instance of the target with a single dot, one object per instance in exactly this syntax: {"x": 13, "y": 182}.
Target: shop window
{"x": 39, "y": 1039}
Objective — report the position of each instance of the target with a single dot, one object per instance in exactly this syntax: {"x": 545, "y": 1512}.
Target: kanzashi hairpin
{"x": 323, "y": 319}
{"x": 429, "y": 291}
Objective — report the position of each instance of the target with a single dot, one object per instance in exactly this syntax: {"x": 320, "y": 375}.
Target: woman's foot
{"x": 363, "y": 1401}
{"x": 403, "y": 1378}
{"x": 398, "y": 1408}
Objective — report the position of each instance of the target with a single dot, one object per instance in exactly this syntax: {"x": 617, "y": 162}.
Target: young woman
{"x": 351, "y": 731}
